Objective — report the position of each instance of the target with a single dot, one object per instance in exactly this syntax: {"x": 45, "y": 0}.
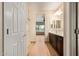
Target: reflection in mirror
{"x": 58, "y": 23}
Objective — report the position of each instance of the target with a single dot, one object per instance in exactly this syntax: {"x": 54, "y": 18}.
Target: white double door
{"x": 15, "y": 29}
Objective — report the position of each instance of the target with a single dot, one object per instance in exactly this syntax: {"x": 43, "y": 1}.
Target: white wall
{"x": 47, "y": 23}
{"x": 0, "y": 28}
{"x": 32, "y": 23}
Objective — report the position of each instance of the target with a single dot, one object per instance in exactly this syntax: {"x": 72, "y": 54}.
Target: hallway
{"x": 40, "y": 48}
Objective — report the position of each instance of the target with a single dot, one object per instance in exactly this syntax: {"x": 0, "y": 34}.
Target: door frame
{"x": 2, "y": 28}
{"x": 69, "y": 29}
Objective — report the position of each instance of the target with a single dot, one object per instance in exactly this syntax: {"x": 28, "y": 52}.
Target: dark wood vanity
{"x": 57, "y": 43}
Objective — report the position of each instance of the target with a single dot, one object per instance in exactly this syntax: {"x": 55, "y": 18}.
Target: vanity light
{"x": 59, "y": 12}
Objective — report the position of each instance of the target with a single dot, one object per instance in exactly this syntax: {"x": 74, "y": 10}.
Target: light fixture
{"x": 59, "y": 12}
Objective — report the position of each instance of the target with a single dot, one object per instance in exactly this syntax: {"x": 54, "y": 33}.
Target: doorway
{"x": 40, "y": 25}
{"x": 49, "y": 21}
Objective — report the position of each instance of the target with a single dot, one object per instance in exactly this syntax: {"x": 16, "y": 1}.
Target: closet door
{"x": 14, "y": 29}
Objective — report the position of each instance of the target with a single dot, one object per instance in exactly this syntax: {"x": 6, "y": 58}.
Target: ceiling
{"x": 45, "y": 5}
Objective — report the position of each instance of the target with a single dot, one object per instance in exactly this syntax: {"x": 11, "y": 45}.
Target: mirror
{"x": 58, "y": 24}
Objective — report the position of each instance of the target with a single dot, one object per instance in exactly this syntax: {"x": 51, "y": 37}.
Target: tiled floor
{"x": 40, "y": 48}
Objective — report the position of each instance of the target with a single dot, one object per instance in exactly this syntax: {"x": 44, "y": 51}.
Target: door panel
{"x": 8, "y": 42}
{"x": 22, "y": 29}
{"x": 14, "y": 29}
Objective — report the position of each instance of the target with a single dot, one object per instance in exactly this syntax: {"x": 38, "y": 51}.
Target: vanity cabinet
{"x": 56, "y": 42}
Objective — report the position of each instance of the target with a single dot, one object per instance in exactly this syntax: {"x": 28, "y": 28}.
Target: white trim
{"x": 69, "y": 23}
{"x": 66, "y": 30}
